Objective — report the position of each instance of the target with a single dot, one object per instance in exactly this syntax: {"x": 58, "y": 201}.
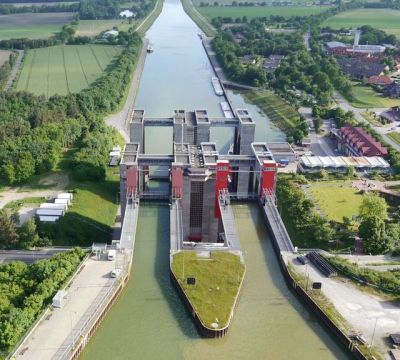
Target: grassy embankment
{"x": 64, "y": 69}
{"x": 384, "y": 19}
{"x": 198, "y": 18}
{"x": 149, "y": 20}
{"x": 218, "y": 280}
{"x": 281, "y": 114}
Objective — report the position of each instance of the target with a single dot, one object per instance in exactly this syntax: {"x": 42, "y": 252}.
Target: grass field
{"x": 64, "y": 69}
{"x": 4, "y": 56}
{"x": 395, "y": 136}
{"x": 218, "y": 278}
{"x": 280, "y": 113}
{"x": 366, "y": 97}
{"x": 258, "y": 11}
{"x": 32, "y": 25}
{"x": 336, "y": 199}
{"x": 94, "y": 27}
{"x": 385, "y": 19}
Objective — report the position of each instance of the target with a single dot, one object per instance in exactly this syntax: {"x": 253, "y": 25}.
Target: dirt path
{"x": 18, "y": 193}
{"x": 14, "y": 71}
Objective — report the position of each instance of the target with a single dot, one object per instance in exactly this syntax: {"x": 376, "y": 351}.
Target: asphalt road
{"x": 28, "y": 257}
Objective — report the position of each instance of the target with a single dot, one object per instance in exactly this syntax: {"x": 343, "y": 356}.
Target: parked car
{"x": 115, "y": 273}
{"x": 303, "y": 259}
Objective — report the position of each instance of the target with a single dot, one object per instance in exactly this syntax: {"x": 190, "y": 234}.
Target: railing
{"x": 91, "y": 315}
{"x": 277, "y": 226}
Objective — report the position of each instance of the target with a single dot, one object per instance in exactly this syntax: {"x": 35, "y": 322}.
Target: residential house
{"x": 391, "y": 115}
{"x": 379, "y": 80}
{"x": 272, "y": 62}
{"x": 359, "y": 69}
{"x": 392, "y": 90}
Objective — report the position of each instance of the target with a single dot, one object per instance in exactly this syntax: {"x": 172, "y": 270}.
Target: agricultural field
{"x": 366, "y": 97}
{"x": 250, "y": 12}
{"x": 64, "y": 69}
{"x": 4, "y": 56}
{"x": 32, "y": 25}
{"x": 95, "y": 27}
{"x": 384, "y": 19}
{"x": 335, "y": 199}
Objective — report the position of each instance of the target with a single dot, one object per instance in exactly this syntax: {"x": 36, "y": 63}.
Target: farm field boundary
{"x": 64, "y": 69}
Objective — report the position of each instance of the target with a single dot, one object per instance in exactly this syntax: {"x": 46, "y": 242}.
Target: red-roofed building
{"x": 355, "y": 141}
{"x": 379, "y": 80}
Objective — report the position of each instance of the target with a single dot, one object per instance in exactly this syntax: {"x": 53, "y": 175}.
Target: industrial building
{"x": 201, "y": 179}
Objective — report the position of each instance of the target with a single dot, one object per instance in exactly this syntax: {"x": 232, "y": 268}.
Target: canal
{"x": 149, "y": 321}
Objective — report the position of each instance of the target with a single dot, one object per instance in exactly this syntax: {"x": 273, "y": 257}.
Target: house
{"x": 391, "y": 115}
{"x": 272, "y": 62}
{"x": 392, "y": 90}
{"x": 248, "y": 59}
{"x": 379, "y": 80}
{"x": 370, "y": 49}
{"x": 238, "y": 37}
{"x": 359, "y": 69}
{"x": 355, "y": 141}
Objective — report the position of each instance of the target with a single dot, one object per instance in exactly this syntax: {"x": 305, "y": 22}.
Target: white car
{"x": 115, "y": 273}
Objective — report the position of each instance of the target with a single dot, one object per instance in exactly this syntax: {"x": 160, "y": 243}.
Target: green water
{"x": 150, "y": 322}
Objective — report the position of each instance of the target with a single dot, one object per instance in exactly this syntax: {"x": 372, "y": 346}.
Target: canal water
{"x": 149, "y": 321}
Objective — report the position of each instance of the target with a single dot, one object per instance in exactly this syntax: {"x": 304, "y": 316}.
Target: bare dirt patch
{"x": 4, "y": 56}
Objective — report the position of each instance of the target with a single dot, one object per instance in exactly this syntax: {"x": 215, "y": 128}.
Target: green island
{"x": 218, "y": 278}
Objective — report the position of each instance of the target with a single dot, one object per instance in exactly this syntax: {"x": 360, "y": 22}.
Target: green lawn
{"x": 384, "y": 19}
{"x": 64, "y": 69}
{"x": 280, "y": 113}
{"x": 259, "y": 11}
{"x": 395, "y": 136}
{"x": 32, "y": 25}
{"x": 336, "y": 199}
{"x": 366, "y": 97}
{"x": 218, "y": 278}
{"x": 94, "y": 27}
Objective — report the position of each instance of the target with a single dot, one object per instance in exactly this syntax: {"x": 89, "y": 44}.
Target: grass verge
{"x": 149, "y": 20}
{"x": 395, "y": 136}
{"x": 218, "y": 279}
{"x": 198, "y": 18}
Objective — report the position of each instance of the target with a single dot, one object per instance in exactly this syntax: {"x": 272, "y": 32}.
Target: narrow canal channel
{"x": 149, "y": 321}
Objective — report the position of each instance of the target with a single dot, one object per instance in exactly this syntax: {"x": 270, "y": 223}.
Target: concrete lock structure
{"x": 200, "y": 177}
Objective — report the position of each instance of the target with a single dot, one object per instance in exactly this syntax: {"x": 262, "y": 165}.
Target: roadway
{"x": 29, "y": 256}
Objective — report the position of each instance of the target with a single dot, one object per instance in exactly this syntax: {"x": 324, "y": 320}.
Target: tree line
{"x": 25, "y": 290}
{"x": 6, "y": 9}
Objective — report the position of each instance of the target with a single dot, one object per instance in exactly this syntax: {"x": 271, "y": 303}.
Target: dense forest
{"x": 26, "y": 290}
